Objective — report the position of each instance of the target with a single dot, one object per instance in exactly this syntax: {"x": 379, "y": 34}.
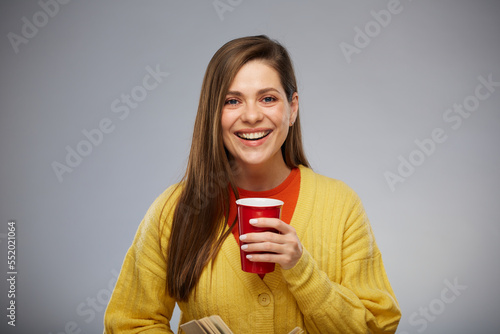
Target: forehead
{"x": 256, "y": 75}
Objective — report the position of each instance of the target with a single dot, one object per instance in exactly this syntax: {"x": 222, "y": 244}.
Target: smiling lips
{"x": 253, "y": 135}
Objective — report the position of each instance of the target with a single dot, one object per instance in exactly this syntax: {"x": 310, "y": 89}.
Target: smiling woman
{"x": 255, "y": 120}
{"x": 329, "y": 275}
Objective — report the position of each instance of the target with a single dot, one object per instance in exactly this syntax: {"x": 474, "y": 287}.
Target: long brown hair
{"x": 198, "y": 226}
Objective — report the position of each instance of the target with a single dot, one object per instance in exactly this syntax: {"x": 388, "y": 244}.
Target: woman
{"x": 329, "y": 276}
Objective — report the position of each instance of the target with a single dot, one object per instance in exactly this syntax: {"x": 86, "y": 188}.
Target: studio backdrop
{"x": 398, "y": 98}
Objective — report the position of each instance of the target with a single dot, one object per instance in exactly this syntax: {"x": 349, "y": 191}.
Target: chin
{"x": 258, "y": 161}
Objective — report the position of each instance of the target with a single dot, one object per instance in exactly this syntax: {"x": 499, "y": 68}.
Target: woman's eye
{"x": 232, "y": 102}
{"x": 268, "y": 99}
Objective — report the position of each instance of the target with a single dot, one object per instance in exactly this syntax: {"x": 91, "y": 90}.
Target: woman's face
{"x": 256, "y": 116}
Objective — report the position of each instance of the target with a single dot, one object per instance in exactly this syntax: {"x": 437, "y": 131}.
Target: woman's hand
{"x": 284, "y": 248}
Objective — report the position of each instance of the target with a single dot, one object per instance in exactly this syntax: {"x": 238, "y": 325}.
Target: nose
{"x": 252, "y": 113}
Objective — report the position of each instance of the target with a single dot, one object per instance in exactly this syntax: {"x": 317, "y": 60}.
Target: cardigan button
{"x": 264, "y": 299}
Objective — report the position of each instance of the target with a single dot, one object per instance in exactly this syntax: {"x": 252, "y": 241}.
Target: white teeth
{"x": 253, "y": 135}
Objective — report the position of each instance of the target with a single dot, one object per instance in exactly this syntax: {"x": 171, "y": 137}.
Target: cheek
{"x": 226, "y": 123}
{"x": 283, "y": 116}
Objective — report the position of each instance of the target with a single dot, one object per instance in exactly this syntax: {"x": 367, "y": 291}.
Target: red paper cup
{"x": 249, "y": 208}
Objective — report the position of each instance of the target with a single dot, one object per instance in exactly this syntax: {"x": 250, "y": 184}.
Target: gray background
{"x": 359, "y": 116}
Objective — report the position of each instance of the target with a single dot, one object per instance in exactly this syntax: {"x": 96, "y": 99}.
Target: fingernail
{"x": 244, "y": 247}
{"x": 243, "y": 237}
{"x": 249, "y": 256}
{"x": 253, "y": 221}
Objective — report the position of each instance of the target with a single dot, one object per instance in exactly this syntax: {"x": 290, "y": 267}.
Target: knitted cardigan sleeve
{"x": 139, "y": 302}
{"x": 358, "y": 298}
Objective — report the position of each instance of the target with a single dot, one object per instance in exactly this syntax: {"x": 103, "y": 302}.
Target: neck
{"x": 261, "y": 177}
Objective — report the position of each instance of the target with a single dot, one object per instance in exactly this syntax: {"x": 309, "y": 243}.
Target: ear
{"x": 294, "y": 108}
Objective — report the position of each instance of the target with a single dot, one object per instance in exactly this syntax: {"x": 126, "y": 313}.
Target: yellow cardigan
{"x": 338, "y": 286}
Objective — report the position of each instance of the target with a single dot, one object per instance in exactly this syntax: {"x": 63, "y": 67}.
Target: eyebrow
{"x": 259, "y": 92}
